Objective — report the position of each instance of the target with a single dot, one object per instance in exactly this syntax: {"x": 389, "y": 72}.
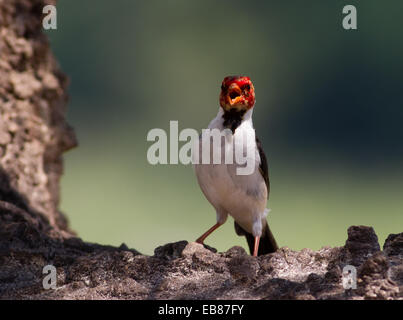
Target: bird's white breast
{"x": 244, "y": 197}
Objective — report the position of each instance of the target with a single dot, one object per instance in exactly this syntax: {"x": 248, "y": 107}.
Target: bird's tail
{"x": 267, "y": 242}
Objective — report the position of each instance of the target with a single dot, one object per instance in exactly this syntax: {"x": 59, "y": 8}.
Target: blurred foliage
{"x": 329, "y": 113}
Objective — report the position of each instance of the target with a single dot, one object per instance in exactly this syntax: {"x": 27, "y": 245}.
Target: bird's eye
{"x": 246, "y": 87}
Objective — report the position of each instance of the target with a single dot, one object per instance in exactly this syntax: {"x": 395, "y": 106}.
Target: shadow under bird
{"x": 243, "y": 196}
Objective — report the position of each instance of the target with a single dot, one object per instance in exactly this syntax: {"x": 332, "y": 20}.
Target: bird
{"x": 244, "y": 197}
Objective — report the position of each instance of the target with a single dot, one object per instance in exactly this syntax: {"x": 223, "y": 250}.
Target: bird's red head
{"x": 238, "y": 93}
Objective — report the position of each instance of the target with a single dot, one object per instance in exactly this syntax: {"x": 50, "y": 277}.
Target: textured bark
{"x": 33, "y": 233}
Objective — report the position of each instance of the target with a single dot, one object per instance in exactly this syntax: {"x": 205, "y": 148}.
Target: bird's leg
{"x": 207, "y": 233}
{"x": 256, "y": 248}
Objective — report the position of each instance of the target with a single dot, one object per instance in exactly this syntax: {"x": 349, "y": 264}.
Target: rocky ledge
{"x": 183, "y": 270}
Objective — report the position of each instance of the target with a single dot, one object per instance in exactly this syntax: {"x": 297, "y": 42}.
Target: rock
{"x": 244, "y": 268}
{"x": 178, "y": 270}
{"x": 171, "y": 250}
{"x": 33, "y": 96}
{"x": 375, "y": 267}
{"x": 361, "y": 243}
{"x": 374, "y": 281}
{"x": 393, "y": 249}
{"x": 191, "y": 248}
{"x": 394, "y": 245}
{"x": 24, "y": 84}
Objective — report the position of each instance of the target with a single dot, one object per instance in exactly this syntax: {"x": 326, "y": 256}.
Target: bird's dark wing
{"x": 268, "y": 243}
{"x": 263, "y": 167}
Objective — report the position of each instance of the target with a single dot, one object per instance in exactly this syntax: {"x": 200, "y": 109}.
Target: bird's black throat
{"x": 233, "y": 118}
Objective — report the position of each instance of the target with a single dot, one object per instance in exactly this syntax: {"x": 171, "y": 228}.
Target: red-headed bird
{"x": 243, "y": 196}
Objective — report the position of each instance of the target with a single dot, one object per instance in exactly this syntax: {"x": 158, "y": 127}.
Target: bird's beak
{"x": 234, "y": 95}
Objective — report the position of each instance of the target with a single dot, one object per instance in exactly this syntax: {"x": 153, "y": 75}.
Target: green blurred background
{"x": 329, "y": 112}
